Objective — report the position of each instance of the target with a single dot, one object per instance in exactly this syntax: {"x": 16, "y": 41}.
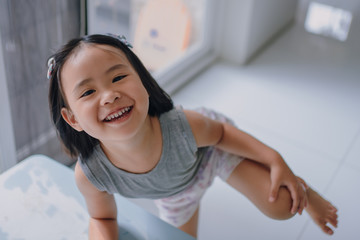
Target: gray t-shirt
{"x": 176, "y": 169}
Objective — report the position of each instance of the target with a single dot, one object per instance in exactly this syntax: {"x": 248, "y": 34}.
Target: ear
{"x": 70, "y": 118}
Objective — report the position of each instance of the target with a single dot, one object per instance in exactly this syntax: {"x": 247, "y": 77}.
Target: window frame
{"x": 7, "y": 140}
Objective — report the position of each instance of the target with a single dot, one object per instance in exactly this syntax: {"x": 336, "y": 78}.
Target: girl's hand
{"x": 305, "y": 187}
{"x": 281, "y": 175}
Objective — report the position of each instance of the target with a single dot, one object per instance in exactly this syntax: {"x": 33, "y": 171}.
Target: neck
{"x": 139, "y": 153}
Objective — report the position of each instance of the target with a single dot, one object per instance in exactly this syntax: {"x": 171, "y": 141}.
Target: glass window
{"x": 164, "y": 33}
{"x": 7, "y": 141}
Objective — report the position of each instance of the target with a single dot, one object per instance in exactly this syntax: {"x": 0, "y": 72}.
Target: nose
{"x": 109, "y": 96}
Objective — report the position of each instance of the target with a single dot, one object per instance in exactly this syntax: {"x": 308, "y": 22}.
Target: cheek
{"x": 85, "y": 113}
{"x": 145, "y": 97}
{"x": 141, "y": 98}
{"x": 143, "y": 91}
{"x": 139, "y": 92}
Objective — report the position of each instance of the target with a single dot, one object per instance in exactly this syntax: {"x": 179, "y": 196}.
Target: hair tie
{"x": 121, "y": 38}
{"x": 51, "y": 65}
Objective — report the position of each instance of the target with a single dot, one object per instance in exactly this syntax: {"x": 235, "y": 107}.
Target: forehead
{"x": 90, "y": 60}
{"x": 97, "y": 52}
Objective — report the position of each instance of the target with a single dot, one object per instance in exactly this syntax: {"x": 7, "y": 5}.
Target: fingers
{"x": 274, "y": 189}
{"x": 302, "y": 182}
{"x": 298, "y": 195}
{"x": 302, "y": 205}
{"x": 296, "y": 199}
{"x": 304, "y": 200}
{"x": 301, "y": 189}
{"x": 297, "y": 192}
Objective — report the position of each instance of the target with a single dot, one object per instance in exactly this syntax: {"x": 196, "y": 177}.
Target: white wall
{"x": 246, "y": 25}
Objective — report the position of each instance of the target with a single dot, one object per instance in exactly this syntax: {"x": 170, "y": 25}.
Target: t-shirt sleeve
{"x": 186, "y": 129}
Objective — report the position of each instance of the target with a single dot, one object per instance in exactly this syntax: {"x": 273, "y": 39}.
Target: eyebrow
{"x": 115, "y": 67}
{"x": 87, "y": 80}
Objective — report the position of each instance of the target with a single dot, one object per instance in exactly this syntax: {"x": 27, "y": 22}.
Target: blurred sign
{"x": 328, "y": 21}
{"x": 162, "y": 32}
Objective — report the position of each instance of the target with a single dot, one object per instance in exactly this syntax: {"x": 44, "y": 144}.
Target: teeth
{"x": 118, "y": 114}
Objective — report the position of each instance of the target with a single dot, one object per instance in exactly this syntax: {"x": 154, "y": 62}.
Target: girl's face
{"x": 105, "y": 95}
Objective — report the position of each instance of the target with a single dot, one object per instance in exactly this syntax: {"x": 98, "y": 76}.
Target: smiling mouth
{"x": 119, "y": 114}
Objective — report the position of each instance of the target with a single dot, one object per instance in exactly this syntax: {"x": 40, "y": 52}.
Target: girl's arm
{"x": 101, "y": 207}
{"x": 208, "y": 132}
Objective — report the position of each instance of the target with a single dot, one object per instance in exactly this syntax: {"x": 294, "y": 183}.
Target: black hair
{"x": 80, "y": 144}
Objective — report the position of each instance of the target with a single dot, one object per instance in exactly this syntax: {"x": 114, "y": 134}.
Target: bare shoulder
{"x": 84, "y": 185}
{"x": 100, "y": 204}
{"x": 206, "y": 131}
{"x": 194, "y": 118}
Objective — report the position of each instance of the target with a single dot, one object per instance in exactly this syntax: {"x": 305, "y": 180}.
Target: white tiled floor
{"x": 302, "y": 97}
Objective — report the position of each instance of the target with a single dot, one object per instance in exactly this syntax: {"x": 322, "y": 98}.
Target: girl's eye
{"x": 87, "y": 93}
{"x": 118, "y": 78}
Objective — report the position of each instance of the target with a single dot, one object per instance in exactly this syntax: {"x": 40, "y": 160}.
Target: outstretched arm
{"x": 101, "y": 207}
{"x": 228, "y": 138}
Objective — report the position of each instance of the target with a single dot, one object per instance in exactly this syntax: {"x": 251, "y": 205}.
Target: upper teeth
{"x": 117, "y": 114}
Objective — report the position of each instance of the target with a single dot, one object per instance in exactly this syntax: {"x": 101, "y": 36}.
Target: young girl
{"x": 129, "y": 139}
